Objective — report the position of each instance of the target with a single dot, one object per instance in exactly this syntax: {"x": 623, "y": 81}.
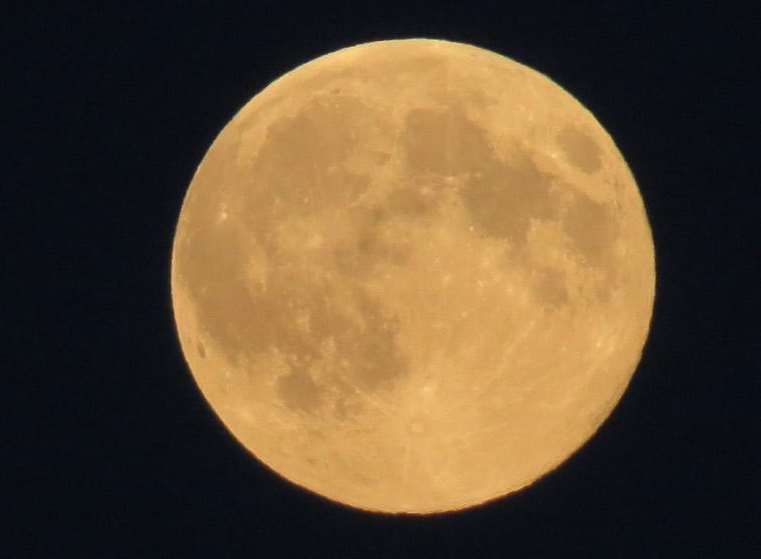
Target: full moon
{"x": 412, "y": 276}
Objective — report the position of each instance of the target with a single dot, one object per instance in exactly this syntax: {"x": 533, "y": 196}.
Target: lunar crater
{"x": 580, "y": 149}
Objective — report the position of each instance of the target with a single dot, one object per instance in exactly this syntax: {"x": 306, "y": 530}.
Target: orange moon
{"x": 413, "y": 276}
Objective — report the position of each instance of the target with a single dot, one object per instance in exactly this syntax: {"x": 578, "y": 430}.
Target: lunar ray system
{"x": 412, "y": 276}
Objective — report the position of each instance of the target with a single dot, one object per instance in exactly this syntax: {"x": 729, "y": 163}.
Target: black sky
{"x": 112, "y": 451}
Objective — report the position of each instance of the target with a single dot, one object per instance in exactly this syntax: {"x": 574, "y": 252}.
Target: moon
{"x": 413, "y": 276}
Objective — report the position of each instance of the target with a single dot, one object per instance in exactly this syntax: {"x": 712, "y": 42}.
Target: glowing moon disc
{"x": 413, "y": 275}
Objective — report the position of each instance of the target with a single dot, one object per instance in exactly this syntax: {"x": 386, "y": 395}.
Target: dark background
{"x": 111, "y": 450}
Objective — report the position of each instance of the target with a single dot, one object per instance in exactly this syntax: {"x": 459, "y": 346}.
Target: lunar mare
{"x": 413, "y": 275}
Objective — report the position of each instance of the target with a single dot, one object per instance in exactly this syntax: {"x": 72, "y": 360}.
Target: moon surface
{"x": 413, "y": 276}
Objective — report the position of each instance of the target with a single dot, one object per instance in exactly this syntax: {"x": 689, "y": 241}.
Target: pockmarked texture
{"x": 413, "y": 275}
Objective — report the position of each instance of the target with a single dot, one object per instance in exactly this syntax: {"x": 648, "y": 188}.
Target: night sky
{"x": 112, "y": 450}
